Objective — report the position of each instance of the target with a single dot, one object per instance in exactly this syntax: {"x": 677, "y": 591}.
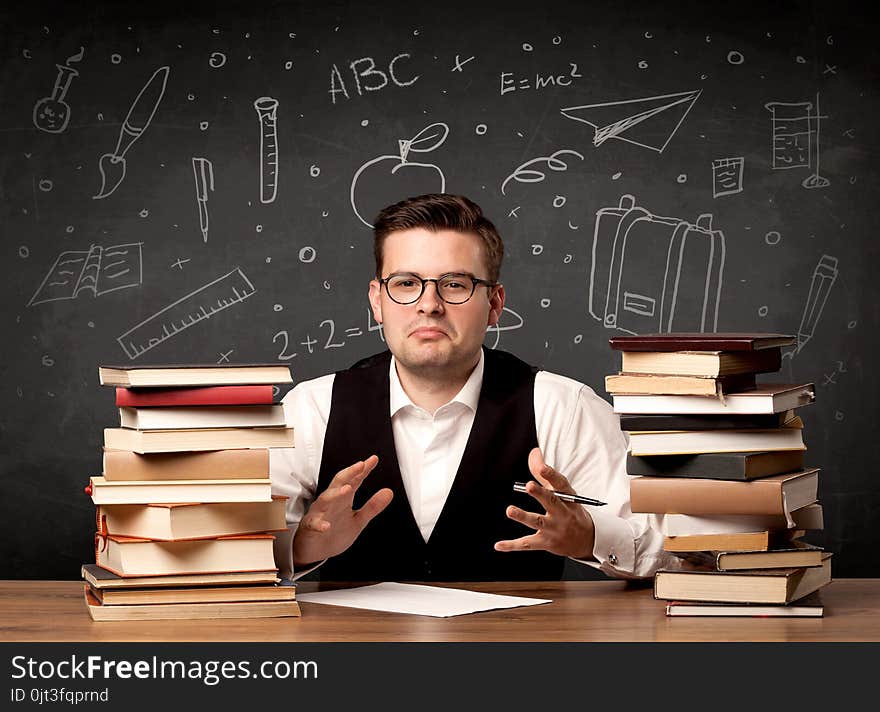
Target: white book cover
{"x": 199, "y": 416}
{"x": 808, "y": 517}
{"x": 766, "y": 398}
{"x": 695, "y": 442}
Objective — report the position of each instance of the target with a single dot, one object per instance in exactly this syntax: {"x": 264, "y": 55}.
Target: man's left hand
{"x": 565, "y": 528}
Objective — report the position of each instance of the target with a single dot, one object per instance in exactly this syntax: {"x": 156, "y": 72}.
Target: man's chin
{"x": 427, "y": 356}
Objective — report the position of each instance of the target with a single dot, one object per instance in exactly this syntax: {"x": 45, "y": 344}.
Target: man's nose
{"x": 430, "y": 301}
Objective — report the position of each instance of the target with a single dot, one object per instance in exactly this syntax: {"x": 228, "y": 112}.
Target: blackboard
{"x": 749, "y": 127}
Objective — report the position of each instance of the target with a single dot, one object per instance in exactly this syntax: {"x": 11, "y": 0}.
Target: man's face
{"x": 431, "y": 335}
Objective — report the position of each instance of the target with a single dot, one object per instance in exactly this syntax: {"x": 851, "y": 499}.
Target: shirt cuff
{"x": 614, "y": 547}
{"x": 283, "y": 550}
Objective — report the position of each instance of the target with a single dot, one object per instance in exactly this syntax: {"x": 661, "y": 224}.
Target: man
{"x": 403, "y": 466}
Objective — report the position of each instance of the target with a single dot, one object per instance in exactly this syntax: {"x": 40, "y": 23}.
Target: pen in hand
{"x": 521, "y": 487}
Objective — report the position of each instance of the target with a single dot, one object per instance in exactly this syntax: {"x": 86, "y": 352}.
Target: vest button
{"x": 427, "y": 567}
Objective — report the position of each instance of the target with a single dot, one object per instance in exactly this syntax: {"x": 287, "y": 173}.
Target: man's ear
{"x": 496, "y": 304}
{"x": 376, "y": 300}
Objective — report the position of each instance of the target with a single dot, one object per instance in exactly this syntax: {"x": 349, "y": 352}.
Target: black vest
{"x": 461, "y": 546}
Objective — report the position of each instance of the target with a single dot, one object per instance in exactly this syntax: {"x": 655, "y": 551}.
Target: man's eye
{"x": 406, "y": 283}
{"x": 453, "y": 284}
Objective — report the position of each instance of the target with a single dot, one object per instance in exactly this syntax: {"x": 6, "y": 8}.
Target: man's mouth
{"x": 428, "y": 332}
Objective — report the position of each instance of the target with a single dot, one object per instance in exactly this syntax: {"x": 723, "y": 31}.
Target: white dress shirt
{"x": 578, "y": 433}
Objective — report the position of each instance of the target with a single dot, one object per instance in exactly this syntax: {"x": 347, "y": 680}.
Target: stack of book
{"x": 721, "y": 457}
{"x": 184, "y": 505}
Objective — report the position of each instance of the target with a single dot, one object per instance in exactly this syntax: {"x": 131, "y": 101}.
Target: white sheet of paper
{"x": 417, "y": 599}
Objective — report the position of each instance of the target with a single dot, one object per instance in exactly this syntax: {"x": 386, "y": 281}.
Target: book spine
{"x": 100, "y": 522}
{"x": 100, "y": 546}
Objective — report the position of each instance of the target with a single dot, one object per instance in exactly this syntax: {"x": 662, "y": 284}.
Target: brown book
{"x": 180, "y": 611}
{"x": 100, "y": 578}
{"x": 243, "y": 463}
{"x": 127, "y": 556}
{"x": 148, "y": 441}
{"x": 697, "y": 341}
{"x": 733, "y": 541}
{"x": 193, "y": 594}
{"x": 709, "y": 364}
{"x": 626, "y": 383}
{"x": 193, "y": 374}
{"x": 753, "y": 585}
{"x": 778, "y": 494}
{"x": 175, "y": 522}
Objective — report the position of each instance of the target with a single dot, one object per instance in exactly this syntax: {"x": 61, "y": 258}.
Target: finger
{"x": 546, "y": 475}
{"x": 332, "y": 496}
{"x": 369, "y": 465}
{"x": 347, "y": 474}
{"x": 533, "y": 542}
{"x": 556, "y": 480}
{"x": 536, "y": 463}
{"x": 545, "y": 496}
{"x": 374, "y": 505}
{"x": 530, "y": 519}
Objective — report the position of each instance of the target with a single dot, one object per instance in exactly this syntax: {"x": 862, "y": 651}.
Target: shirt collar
{"x": 469, "y": 395}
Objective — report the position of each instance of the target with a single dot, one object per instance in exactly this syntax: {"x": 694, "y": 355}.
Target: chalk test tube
{"x": 267, "y": 109}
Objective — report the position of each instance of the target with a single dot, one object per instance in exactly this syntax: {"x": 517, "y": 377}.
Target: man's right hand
{"x": 331, "y": 525}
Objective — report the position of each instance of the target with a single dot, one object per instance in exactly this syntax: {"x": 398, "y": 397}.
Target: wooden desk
{"x": 581, "y": 611}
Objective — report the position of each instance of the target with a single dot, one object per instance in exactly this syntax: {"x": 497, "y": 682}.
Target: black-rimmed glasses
{"x": 406, "y": 288}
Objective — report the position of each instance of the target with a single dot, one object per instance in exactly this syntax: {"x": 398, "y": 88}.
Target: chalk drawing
{"x": 96, "y": 271}
{"x": 203, "y": 303}
{"x": 267, "y": 111}
{"x": 112, "y": 165}
{"x": 795, "y": 138}
{"x": 823, "y": 279}
{"x": 203, "y": 171}
{"x": 52, "y": 113}
{"x": 652, "y": 126}
{"x": 727, "y": 176}
{"x": 655, "y": 274}
{"x": 517, "y": 323}
{"x": 389, "y": 179}
{"x": 526, "y": 173}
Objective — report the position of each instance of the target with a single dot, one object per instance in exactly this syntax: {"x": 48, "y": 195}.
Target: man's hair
{"x": 439, "y": 211}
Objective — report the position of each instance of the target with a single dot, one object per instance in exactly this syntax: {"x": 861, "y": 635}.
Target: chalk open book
{"x": 98, "y": 270}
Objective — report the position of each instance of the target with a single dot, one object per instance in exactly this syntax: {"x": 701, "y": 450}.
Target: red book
{"x": 696, "y": 341}
{"x": 200, "y": 395}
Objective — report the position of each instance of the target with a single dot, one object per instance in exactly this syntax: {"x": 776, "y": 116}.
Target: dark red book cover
{"x": 197, "y": 395}
{"x": 697, "y": 341}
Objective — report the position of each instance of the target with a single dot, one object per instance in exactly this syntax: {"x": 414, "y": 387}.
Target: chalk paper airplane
{"x": 615, "y": 119}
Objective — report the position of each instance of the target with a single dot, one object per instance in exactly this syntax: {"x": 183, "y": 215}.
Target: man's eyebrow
{"x": 454, "y": 273}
